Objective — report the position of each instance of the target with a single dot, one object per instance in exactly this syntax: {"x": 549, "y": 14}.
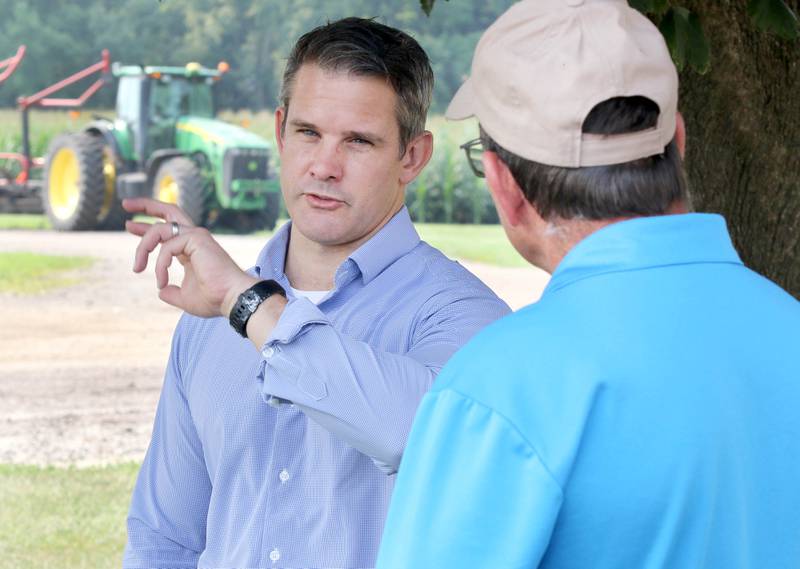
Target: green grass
{"x": 67, "y": 518}
{"x": 30, "y": 273}
{"x": 23, "y": 221}
{"x": 483, "y": 243}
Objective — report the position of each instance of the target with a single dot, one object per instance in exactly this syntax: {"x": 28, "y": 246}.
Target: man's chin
{"x": 327, "y": 232}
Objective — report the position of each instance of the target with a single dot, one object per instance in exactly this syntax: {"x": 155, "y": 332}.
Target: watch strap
{"x": 249, "y": 301}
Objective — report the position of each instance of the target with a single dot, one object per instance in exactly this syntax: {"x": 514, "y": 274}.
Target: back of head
{"x": 365, "y": 48}
{"x": 579, "y": 99}
{"x": 646, "y": 186}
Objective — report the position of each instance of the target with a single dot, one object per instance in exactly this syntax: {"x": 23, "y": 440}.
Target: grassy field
{"x": 66, "y": 518}
{"x": 481, "y": 243}
{"x": 28, "y": 273}
{"x": 23, "y": 221}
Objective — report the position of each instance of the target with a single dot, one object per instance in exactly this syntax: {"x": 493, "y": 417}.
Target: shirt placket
{"x": 285, "y": 482}
{"x": 285, "y": 487}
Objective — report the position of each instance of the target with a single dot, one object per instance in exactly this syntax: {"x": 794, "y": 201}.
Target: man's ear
{"x": 680, "y": 134}
{"x": 280, "y": 116}
{"x": 418, "y": 153}
{"x": 508, "y": 197}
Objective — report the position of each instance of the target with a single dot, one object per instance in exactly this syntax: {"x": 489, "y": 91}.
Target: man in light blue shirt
{"x": 644, "y": 413}
{"x": 291, "y": 388}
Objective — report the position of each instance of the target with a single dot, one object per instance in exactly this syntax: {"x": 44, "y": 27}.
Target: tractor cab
{"x": 151, "y": 100}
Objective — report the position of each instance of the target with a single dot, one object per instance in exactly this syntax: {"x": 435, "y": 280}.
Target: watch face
{"x": 251, "y": 301}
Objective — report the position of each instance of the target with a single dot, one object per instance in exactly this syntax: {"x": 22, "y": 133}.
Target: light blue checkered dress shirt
{"x": 284, "y": 457}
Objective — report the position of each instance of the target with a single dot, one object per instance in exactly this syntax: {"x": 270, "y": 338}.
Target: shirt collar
{"x": 647, "y": 242}
{"x": 391, "y": 242}
{"x": 272, "y": 257}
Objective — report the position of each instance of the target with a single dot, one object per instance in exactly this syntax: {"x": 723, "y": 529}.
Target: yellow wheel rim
{"x": 168, "y": 190}
{"x": 110, "y": 177}
{"x": 64, "y": 192}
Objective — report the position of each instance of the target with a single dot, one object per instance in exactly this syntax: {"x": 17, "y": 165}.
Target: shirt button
{"x": 268, "y": 352}
{"x": 284, "y": 476}
{"x": 274, "y": 555}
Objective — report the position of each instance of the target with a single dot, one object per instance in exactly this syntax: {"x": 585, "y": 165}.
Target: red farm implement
{"x": 21, "y": 172}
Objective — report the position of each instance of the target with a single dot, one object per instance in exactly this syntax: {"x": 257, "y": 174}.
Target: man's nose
{"x": 326, "y": 164}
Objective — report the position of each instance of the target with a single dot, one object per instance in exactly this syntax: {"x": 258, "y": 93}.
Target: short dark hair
{"x": 648, "y": 186}
{"x": 364, "y": 47}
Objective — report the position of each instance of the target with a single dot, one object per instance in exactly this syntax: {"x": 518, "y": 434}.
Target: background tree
{"x": 739, "y": 67}
{"x": 743, "y": 120}
{"x": 739, "y": 88}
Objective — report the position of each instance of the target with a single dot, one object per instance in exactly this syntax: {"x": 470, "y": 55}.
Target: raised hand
{"x": 212, "y": 281}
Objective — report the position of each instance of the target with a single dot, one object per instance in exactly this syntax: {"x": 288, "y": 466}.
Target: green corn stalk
{"x": 448, "y": 183}
{"x": 477, "y": 199}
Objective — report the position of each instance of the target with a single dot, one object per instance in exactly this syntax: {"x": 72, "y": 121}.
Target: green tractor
{"x": 164, "y": 143}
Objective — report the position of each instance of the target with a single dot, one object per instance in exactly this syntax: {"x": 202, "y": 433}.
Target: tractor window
{"x": 199, "y": 98}
{"x": 161, "y": 107}
{"x": 172, "y": 97}
{"x": 128, "y": 99}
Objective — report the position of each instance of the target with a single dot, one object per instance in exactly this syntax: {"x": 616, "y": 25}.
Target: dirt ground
{"x": 81, "y": 367}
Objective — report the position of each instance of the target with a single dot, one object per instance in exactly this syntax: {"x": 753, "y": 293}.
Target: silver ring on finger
{"x": 176, "y": 229}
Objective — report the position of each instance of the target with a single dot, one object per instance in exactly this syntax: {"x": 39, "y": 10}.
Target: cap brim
{"x": 463, "y": 104}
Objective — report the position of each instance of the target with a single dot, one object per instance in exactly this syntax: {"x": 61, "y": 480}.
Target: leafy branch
{"x": 686, "y": 38}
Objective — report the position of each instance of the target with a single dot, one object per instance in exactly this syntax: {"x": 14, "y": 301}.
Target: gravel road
{"x": 81, "y": 367}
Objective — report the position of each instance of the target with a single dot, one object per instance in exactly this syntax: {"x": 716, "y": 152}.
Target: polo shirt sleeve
{"x": 471, "y": 492}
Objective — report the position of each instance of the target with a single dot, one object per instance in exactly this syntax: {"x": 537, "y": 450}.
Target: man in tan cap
{"x": 644, "y": 412}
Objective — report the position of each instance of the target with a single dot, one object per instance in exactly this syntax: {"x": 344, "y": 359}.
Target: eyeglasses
{"x": 474, "y": 150}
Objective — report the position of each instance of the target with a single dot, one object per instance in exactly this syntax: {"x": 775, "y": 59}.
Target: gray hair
{"x": 648, "y": 186}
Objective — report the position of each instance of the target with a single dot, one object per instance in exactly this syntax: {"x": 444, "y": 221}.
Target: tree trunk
{"x": 743, "y": 150}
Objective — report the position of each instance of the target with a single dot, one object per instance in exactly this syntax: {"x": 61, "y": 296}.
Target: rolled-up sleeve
{"x": 364, "y": 395}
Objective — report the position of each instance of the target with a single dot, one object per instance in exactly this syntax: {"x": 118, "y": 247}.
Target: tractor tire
{"x": 179, "y": 181}
{"x": 74, "y": 185}
{"x": 112, "y": 216}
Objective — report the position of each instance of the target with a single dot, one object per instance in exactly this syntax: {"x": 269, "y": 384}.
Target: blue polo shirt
{"x": 645, "y": 413}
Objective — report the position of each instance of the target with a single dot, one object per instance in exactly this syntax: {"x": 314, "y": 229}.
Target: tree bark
{"x": 743, "y": 151}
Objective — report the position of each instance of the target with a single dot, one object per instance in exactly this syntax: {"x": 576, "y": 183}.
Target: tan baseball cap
{"x": 544, "y": 64}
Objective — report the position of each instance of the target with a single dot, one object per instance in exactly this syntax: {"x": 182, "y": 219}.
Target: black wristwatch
{"x": 249, "y": 301}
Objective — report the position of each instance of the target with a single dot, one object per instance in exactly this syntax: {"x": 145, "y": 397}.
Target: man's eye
{"x": 307, "y": 132}
{"x": 361, "y": 141}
